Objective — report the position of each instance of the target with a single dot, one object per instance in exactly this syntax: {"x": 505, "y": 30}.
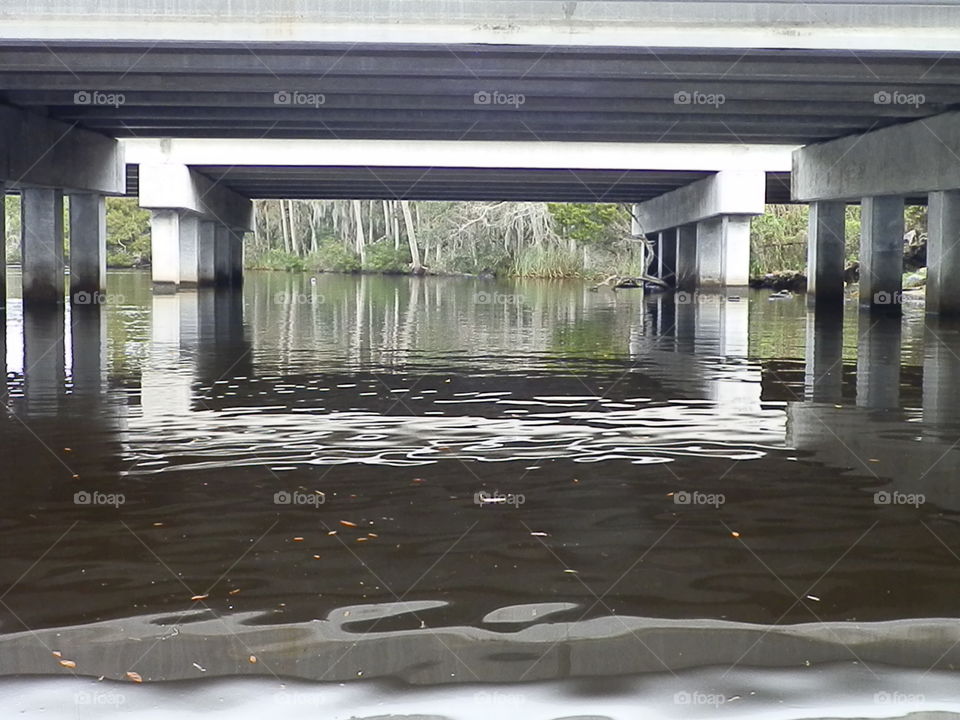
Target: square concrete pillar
{"x": 825, "y": 255}
{"x": 165, "y": 247}
{"x": 222, "y": 262}
{"x": 943, "y": 253}
{"x": 668, "y": 256}
{"x": 88, "y": 248}
{"x": 687, "y": 257}
{"x": 723, "y": 251}
{"x": 41, "y": 245}
{"x": 189, "y": 249}
{"x": 206, "y": 269}
{"x": 236, "y": 258}
{"x": 881, "y": 253}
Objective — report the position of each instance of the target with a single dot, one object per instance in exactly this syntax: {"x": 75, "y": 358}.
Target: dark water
{"x": 436, "y": 488}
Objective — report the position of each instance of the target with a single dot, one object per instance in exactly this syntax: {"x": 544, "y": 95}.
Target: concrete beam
{"x": 459, "y": 154}
{"x": 176, "y": 186}
{"x": 38, "y": 152}
{"x": 909, "y": 159}
{"x": 729, "y": 192}
{"x": 694, "y": 23}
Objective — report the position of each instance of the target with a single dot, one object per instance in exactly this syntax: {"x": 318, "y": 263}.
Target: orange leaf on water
{"x": 134, "y": 676}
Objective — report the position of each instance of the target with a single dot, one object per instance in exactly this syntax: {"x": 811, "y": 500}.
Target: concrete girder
{"x": 729, "y": 192}
{"x": 171, "y": 186}
{"x": 38, "y": 152}
{"x": 909, "y": 159}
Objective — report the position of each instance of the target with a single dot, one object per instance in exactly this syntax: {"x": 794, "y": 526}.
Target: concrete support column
{"x": 88, "y": 248}
{"x": 222, "y": 262}
{"x": 165, "y": 247}
{"x": 825, "y": 255}
{"x": 668, "y": 256}
{"x": 42, "y": 245}
{"x": 943, "y": 253}
{"x": 723, "y": 251}
{"x": 881, "y": 253}
{"x": 189, "y": 250}
{"x": 206, "y": 269}
{"x": 236, "y": 258}
{"x": 44, "y": 374}
{"x": 687, "y": 257}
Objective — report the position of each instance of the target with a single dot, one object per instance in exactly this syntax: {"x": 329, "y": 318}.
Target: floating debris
{"x": 347, "y": 523}
{"x": 197, "y": 666}
{"x": 200, "y": 597}
{"x": 252, "y": 659}
{"x": 68, "y": 663}
{"x": 135, "y": 677}
{"x": 735, "y": 534}
{"x": 298, "y": 539}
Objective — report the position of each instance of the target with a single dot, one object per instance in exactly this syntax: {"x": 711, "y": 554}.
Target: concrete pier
{"x": 88, "y": 248}
{"x": 165, "y": 249}
{"x": 223, "y": 267}
{"x": 686, "y": 273}
{"x": 206, "y": 268}
{"x": 189, "y": 250}
{"x": 42, "y": 246}
{"x": 667, "y": 256}
{"x": 825, "y": 255}
{"x": 236, "y": 258}
{"x": 723, "y": 251}
{"x": 823, "y": 376}
{"x": 881, "y": 253}
{"x": 943, "y": 253}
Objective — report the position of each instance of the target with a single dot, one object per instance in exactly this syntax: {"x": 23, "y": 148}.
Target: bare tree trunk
{"x": 361, "y": 246}
{"x": 396, "y": 224}
{"x": 283, "y": 227}
{"x": 294, "y": 240}
{"x": 416, "y": 267}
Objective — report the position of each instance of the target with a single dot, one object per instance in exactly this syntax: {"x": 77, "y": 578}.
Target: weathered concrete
{"x": 907, "y": 159}
{"x": 189, "y": 250}
{"x": 222, "y": 257}
{"x": 236, "y": 257}
{"x": 88, "y": 248}
{"x": 729, "y": 192}
{"x": 687, "y": 257}
{"x": 206, "y": 270}
{"x": 39, "y": 152}
{"x": 42, "y": 246}
{"x": 825, "y": 254}
{"x": 723, "y": 251}
{"x": 943, "y": 253}
{"x": 747, "y": 24}
{"x": 165, "y": 249}
{"x": 668, "y": 256}
{"x": 169, "y": 185}
{"x": 881, "y": 253}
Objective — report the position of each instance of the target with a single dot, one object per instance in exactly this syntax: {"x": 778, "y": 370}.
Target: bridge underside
{"x": 432, "y": 183}
{"x": 474, "y": 92}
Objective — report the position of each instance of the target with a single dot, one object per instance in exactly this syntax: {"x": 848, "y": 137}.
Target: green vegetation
{"x": 128, "y": 233}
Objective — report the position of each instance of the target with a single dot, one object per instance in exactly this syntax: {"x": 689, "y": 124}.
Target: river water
{"x": 446, "y": 498}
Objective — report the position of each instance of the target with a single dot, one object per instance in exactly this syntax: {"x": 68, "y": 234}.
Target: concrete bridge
{"x": 587, "y": 101}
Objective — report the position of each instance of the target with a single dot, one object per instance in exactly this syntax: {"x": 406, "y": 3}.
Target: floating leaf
{"x": 135, "y": 677}
{"x": 68, "y": 663}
